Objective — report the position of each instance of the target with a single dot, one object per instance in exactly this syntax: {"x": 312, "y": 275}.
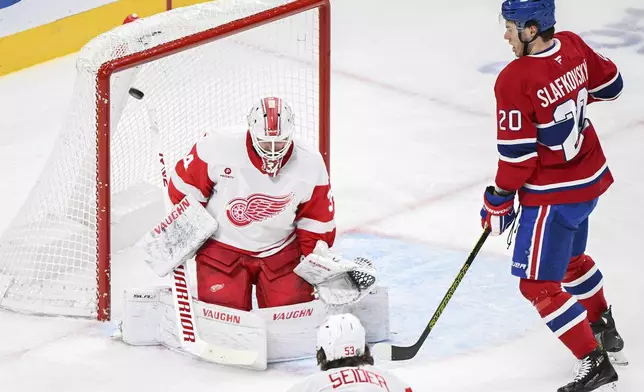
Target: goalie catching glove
{"x": 337, "y": 281}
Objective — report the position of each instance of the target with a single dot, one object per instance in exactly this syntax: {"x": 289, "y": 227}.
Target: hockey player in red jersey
{"x": 551, "y": 157}
{"x": 272, "y": 201}
{"x": 345, "y": 361}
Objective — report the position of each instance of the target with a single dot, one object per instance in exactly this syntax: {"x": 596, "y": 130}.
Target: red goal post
{"x": 200, "y": 74}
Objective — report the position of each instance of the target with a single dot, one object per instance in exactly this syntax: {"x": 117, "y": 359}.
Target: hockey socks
{"x": 562, "y": 313}
{"x": 585, "y": 281}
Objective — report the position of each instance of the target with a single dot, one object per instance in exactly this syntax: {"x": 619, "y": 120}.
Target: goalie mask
{"x": 270, "y": 123}
{"x": 341, "y": 336}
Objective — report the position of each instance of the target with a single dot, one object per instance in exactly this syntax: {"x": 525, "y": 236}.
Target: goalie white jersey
{"x": 257, "y": 214}
{"x": 352, "y": 379}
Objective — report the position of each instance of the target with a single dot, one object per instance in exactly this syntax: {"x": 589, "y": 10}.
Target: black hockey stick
{"x": 402, "y": 353}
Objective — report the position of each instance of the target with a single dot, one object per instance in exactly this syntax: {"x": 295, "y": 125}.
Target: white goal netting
{"x": 48, "y": 255}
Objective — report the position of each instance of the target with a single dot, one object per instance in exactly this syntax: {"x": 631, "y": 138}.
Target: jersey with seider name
{"x": 352, "y": 379}
{"x": 257, "y": 214}
{"x": 549, "y": 151}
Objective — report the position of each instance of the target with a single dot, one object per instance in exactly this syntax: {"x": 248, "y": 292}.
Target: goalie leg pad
{"x": 219, "y": 325}
{"x": 141, "y": 316}
{"x": 373, "y": 312}
{"x": 233, "y": 328}
{"x": 292, "y": 330}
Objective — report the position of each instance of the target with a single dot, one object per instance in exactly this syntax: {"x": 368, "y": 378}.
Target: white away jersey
{"x": 257, "y": 214}
{"x": 352, "y": 379}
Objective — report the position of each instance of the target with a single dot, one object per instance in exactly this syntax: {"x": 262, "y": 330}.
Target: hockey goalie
{"x": 253, "y": 209}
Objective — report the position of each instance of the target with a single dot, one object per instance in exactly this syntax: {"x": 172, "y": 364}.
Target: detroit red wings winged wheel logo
{"x": 256, "y": 208}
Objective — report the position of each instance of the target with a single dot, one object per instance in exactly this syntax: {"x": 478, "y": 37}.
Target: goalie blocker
{"x": 178, "y": 236}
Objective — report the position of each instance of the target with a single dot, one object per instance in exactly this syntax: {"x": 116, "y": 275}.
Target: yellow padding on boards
{"x": 68, "y": 35}
{"x": 184, "y": 3}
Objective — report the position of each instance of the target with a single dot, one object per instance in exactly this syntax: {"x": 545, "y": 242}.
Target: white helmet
{"x": 270, "y": 123}
{"x": 341, "y": 336}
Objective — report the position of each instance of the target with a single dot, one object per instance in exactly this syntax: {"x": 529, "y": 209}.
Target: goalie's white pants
{"x": 277, "y": 334}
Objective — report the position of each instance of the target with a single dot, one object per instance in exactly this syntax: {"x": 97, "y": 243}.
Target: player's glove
{"x": 497, "y": 212}
{"x": 337, "y": 281}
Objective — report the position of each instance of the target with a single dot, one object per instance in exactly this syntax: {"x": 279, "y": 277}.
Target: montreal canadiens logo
{"x": 256, "y": 208}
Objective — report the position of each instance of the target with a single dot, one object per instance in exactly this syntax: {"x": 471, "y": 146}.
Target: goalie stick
{"x": 188, "y": 335}
{"x": 390, "y": 352}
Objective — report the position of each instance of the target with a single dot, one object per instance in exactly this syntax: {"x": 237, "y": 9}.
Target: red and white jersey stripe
{"x": 534, "y": 260}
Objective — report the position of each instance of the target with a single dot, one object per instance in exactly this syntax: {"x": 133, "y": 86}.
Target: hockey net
{"x": 201, "y": 69}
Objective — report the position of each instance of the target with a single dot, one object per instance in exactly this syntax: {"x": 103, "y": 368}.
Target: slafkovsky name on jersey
{"x": 565, "y": 84}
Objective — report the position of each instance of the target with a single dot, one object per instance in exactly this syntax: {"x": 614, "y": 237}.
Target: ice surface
{"x": 413, "y": 145}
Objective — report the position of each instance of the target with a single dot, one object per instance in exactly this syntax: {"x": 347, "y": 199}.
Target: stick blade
{"x": 228, "y": 356}
{"x": 400, "y": 353}
{"x": 388, "y": 352}
{"x": 382, "y": 351}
